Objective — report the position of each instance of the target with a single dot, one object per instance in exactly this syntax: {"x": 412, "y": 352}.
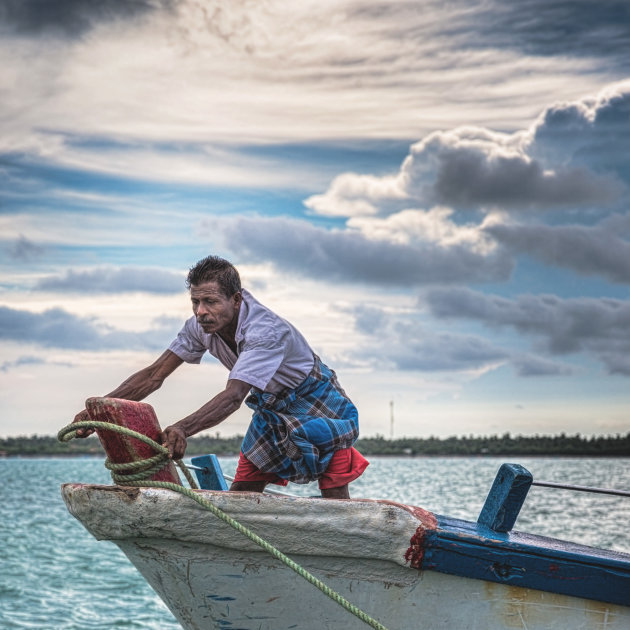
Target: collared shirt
{"x": 272, "y": 355}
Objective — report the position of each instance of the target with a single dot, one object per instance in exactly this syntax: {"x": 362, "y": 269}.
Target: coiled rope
{"x": 138, "y": 474}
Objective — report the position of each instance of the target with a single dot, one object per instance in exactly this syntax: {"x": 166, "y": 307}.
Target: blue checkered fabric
{"x": 295, "y": 435}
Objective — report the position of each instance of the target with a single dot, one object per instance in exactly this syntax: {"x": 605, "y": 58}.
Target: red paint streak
{"x": 415, "y": 554}
{"x": 426, "y": 518}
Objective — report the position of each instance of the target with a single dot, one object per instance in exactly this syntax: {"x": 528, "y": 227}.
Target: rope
{"x": 148, "y": 467}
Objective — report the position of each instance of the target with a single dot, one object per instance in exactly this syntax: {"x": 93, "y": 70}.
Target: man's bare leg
{"x": 248, "y": 486}
{"x": 341, "y": 492}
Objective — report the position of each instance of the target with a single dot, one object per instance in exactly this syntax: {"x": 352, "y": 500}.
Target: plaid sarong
{"x": 295, "y": 434}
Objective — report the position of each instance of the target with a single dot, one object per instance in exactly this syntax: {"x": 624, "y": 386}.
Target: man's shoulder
{"x": 260, "y": 320}
{"x": 256, "y": 310}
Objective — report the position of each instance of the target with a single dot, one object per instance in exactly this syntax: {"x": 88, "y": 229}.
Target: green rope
{"x": 122, "y": 475}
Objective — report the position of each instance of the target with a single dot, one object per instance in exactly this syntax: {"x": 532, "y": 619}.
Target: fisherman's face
{"x": 214, "y": 311}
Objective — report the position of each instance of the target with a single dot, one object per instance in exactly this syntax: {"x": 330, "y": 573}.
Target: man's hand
{"x": 174, "y": 439}
{"x": 83, "y": 416}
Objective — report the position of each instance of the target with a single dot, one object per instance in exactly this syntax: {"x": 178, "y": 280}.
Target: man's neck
{"x": 228, "y": 334}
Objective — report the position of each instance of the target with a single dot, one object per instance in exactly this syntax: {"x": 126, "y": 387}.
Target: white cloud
{"x": 435, "y": 226}
{"x": 351, "y": 195}
{"x": 191, "y": 74}
{"x": 573, "y": 156}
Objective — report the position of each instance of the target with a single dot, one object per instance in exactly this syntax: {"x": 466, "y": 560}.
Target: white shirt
{"x": 272, "y": 354}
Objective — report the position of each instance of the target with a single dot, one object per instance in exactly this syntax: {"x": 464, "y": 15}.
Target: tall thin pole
{"x": 391, "y": 419}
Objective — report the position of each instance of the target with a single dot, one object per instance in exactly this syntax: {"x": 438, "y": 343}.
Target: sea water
{"x": 55, "y": 575}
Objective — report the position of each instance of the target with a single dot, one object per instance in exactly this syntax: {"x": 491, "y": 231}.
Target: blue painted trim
{"x": 211, "y": 477}
{"x": 506, "y": 497}
{"x": 475, "y": 551}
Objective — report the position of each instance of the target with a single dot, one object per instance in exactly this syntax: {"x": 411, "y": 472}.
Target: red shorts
{"x": 345, "y": 466}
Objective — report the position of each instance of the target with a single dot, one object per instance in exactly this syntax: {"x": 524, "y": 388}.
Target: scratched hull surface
{"x": 210, "y": 576}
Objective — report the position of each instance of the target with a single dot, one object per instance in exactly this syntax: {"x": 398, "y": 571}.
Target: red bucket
{"x": 122, "y": 449}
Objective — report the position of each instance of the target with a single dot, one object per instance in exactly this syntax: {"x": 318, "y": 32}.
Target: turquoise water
{"x": 54, "y": 575}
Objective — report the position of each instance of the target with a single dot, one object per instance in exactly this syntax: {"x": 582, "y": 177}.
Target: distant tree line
{"x": 506, "y": 444}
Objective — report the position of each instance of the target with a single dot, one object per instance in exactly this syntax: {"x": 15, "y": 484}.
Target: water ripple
{"x": 54, "y": 575}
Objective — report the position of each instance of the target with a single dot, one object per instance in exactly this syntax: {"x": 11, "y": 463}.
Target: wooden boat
{"x": 402, "y": 565}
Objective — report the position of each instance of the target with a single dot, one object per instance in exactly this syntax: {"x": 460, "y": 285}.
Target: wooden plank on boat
{"x": 506, "y": 498}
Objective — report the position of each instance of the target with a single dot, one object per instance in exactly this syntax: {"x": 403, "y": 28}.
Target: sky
{"x": 436, "y": 194}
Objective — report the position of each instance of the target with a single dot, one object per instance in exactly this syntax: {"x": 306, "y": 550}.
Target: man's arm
{"x": 139, "y": 385}
{"x": 214, "y": 412}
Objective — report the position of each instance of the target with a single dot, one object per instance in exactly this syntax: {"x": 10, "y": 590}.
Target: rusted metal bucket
{"x": 122, "y": 449}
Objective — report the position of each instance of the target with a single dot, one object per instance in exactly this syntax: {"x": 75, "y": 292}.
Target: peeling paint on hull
{"x": 212, "y": 577}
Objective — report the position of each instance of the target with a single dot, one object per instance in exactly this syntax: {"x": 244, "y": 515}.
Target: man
{"x": 303, "y": 426}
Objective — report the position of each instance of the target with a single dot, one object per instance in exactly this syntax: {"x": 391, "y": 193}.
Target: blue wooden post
{"x": 506, "y": 497}
{"x": 211, "y": 477}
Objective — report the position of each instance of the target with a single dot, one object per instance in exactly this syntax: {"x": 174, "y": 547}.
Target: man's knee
{"x": 341, "y": 492}
{"x": 248, "y": 486}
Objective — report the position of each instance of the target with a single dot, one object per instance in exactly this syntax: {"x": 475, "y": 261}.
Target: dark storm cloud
{"x": 600, "y": 327}
{"x": 591, "y": 133}
{"x": 69, "y": 18}
{"x": 474, "y": 177}
{"x": 110, "y": 280}
{"x": 57, "y": 328}
{"x": 349, "y": 256}
{"x": 585, "y": 250}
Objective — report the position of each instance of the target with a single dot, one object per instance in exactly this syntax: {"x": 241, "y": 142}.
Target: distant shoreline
{"x": 561, "y": 445}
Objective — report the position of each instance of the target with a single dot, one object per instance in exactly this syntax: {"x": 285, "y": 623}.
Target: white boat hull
{"x": 210, "y": 576}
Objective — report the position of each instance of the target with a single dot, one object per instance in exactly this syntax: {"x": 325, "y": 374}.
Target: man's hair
{"x": 215, "y": 269}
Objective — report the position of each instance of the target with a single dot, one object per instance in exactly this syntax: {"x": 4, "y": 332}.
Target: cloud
{"x": 405, "y": 341}
{"x": 573, "y": 156}
{"x": 351, "y": 194}
{"x": 598, "y": 327}
{"x": 69, "y": 18}
{"x": 596, "y": 30}
{"x": 593, "y": 132}
{"x": 401, "y": 340}
{"x": 25, "y": 360}
{"x": 378, "y": 254}
{"x": 474, "y": 168}
{"x": 25, "y": 250}
{"x": 431, "y": 351}
{"x": 57, "y": 328}
{"x": 251, "y": 73}
{"x": 531, "y": 365}
{"x": 586, "y": 250}
{"x": 114, "y": 280}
